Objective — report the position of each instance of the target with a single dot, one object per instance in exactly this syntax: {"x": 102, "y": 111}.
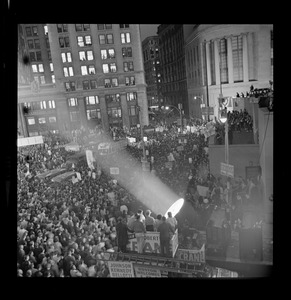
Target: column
{"x": 245, "y": 58}
{"x": 124, "y": 109}
{"x": 82, "y": 110}
{"x": 229, "y": 60}
{"x": 217, "y": 62}
{"x": 208, "y": 63}
{"x": 104, "y": 114}
{"x": 63, "y": 116}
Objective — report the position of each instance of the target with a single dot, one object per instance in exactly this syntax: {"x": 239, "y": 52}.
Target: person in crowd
{"x": 149, "y": 221}
{"x": 138, "y": 228}
{"x": 172, "y": 221}
{"x": 158, "y": 221}
{"x": 122, "y": 234}
{"x": 165, "y": 229}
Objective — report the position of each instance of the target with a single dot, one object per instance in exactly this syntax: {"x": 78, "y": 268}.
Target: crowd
{"x": 68, "y": 229}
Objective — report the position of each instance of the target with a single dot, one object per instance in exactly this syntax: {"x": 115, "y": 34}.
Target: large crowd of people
{"x": 67, "y": 229}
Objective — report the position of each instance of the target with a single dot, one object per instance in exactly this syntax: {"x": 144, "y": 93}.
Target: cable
{"x": 264, "y": 135}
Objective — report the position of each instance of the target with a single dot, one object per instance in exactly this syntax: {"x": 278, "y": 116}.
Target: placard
{"x": 174, "y": 243}
{"x": 190, "y": 255}
{"x": 145, "y": 272}
{"x": 152, "y": 242}
{"x": 114, "y": 171}
{"x": 120, "y": 269}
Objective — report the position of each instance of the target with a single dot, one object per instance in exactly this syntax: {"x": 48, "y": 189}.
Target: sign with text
{"x": 174, "y": 243}
{"x": 189, "y": 255}
{"x": 208, "y": 110}
{"x": 114, "y": 171}
{"x": 141, "y": 271}
{"x": 152, "y": 242}
{"x": 226, "y": 169}
{"x": 33, "y": 140}
{"x": 119, "y": 269}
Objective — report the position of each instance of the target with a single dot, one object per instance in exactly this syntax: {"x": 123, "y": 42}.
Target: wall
{"x": 240, "y": 157}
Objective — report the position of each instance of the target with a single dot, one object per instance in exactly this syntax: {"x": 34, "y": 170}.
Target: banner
{"x": 195, "y": 256}
{"x": 141, "y": 271}
{"x": 120, "y": 269}
{"x": 152, "y": 242}
{"x": 90, "y": 159}
{"x": 114, "y": 171}
{"x": 33, "y": 140}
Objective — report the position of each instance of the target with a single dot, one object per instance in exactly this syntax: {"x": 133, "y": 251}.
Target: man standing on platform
{"x": 164, "y": 229}
{"x": 138, "y": 228}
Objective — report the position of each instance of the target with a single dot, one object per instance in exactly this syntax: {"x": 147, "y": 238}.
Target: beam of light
{"x": 145, "y": 186}
{"x": 175, "y": 208}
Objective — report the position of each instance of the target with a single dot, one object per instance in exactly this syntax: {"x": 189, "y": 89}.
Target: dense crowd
{"x": 67, "y": 229}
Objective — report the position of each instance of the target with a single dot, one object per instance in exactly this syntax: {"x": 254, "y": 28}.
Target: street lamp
{"x": 141, "y": 133}
{"x": 180, "y": 112}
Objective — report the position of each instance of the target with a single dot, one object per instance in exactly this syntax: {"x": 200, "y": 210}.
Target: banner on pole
{"x": 120, "y": 269}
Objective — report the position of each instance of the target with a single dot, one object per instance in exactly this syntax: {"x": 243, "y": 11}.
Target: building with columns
{"x": 151, "y": 57}
{"x": 83, "y": 75}
{"x": 226, "y": 59}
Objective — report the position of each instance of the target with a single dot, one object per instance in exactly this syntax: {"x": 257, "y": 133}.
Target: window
{"x": 45, "y": 29}
{"x": 105, "y": 68}
{"x": 91, "y": 70}
{"x": 93, "y": 114}
{"x": 109, "y": 38}
{"x": 51, "y": 67}
{"x": 36, "y": 44}
{"x": 114, "y": 82}
{"x": 123, "y": 25}
{"x": 42, "y": 80}
{"x": 38, "y": 55}
{"x": 112, "y": 98}
{"x": 31, "y": 121}
{"x": 126, "y": 52}
{"x": 223, "y": 61}
{"x": 53, "y": 79}
{"x": 112, "y": 67}
{"x": 47, "y": 42}
{"x": 111, "y": 53}
{"x": 62, "y": 28}
{"x": 86, "y": 27}
{"x": 104, "y": 54}
{"x": 34, "y": 30}
{"x": 70, "y": 86}
{"x": 40, "y": 68}
{"x": 104, "y": 26}
{"x": 125, "y": 38}
{"x": 90, "y": 55}
{"x": 105, "y": 39}
{"x": 84, "y": 41}
{"x": 64, "y": 42}
{"x": 32, "y": 56}
{"x": 114, "y": 112}
{"x": 42, "y": 104}
{"x": 51, "y": 104}
{"x": 101, "y": 39}
{"x": 34, "y": 68}
{"x": 41, "y": 120}
{"x": 107, "y": 53}
{"x": 74, "y": 116}
{"x": 66, "y": 57}
{"x": 28, "y": 31}
{"x": 91, "y": 100}
{"x": 212, "y": 63}
{"x": 107, "y": 82}
{"x": 132, "y": 110}
{"x": 93, "y": 84}
{"x": 130, "y": 80}
{"x": 128, "y": 66}
{"x": 30, "y": 44}
{"x": 73, "y": 102}
{"x": 131, "y": 96}
{"x": 52, "y": 119}
{"x": 86, "y": 85}
{"x": 68, "y": 71}
{"x": 84, "y": 70}
{"x": 237, "y": 56}
{"x": 78, "y": 27}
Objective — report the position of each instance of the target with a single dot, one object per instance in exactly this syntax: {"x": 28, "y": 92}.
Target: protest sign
{"x": 190, "y": 255}
{"x": 141, "y": 271}
{"x": 90, "y": 159}
{"x": 94, "y": 175}
{"x": 114, "y": 171}
{"x": 152, "y": 242}
{"x": 120, "y": 269}
{"x": 202, "y": 190}
{"x": 78, "y": 175}
{"x": 34, "y": 140}
{"x": 174, "y": 243}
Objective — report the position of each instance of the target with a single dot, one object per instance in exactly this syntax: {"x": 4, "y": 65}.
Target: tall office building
{"x": 151, "y": 57}
{"x": 226, "y": 59}
{"x": 83, "y": 75}
{"x": 173, "y": 70}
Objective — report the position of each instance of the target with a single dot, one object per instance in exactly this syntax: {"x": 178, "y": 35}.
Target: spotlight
{"x": 175, "y": 208}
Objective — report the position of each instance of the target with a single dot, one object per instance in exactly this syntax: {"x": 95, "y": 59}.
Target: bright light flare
{"x": 175, "y": 208}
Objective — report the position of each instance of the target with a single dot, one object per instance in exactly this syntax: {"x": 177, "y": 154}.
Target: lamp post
{"x": 180, "y": 112}
{"x": 141, "y": 133}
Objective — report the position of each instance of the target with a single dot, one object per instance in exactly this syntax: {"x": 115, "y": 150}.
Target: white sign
{"x": 189, "y": 255}
{"x": 152, "y": 243}
{"x": 202, "y": 190}
{"x": 114, "y": 171}
{"x": 90, "y": 159}
{"x": 226, "y": 169}
{"x": 78, "y": 175}
{"x": 141, "y": 271}
{"x": 174, "y": 243}
{"x": 33, "y": 140}
{"x": 120, "y": 269}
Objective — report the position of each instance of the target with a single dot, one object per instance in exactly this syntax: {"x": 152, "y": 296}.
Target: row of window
{"x": 84, "y": 41}
{"x": 38, "y": 105}
{"x": 86, "y": 27}
{"x": 92, "y": 84}
{"x": 88, "y": 55}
